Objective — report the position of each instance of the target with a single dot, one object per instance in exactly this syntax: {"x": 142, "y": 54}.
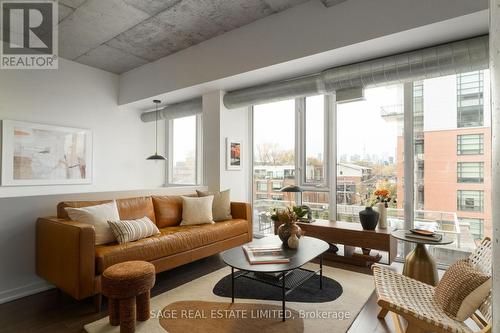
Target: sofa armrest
{"x": 65, "y": 255}
{"x": 243, "y": 210}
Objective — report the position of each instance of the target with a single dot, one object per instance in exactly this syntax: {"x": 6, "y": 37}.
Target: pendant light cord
{"x": 156, "y": 130}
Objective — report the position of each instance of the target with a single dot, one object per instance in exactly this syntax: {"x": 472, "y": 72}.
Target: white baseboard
{"x": 23, "y": 291}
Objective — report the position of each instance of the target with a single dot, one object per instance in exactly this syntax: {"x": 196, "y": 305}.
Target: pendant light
{"x": 156, "y": 157}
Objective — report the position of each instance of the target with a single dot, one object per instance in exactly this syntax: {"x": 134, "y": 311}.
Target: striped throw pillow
{"x": 131, "y": 230}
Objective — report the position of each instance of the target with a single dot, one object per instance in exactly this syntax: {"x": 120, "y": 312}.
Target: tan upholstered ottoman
{"x": 127, "y": 286}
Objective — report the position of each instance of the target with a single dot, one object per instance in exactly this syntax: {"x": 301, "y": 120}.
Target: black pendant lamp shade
{"x": 156, "y": 157}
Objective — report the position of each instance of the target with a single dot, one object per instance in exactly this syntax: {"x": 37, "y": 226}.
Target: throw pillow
{"x": 98, "y": 216}
{"x": 131, "y": 230}
{"x": 197, "y": 210}
{"x": 221, "y": 208}
{"x": 462, "y": 290}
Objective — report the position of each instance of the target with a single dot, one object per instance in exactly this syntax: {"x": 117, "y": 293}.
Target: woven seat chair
{"x": 414, "y": 300}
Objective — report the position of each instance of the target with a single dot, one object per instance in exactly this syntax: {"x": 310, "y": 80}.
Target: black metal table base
{"x": 288, "y": 281}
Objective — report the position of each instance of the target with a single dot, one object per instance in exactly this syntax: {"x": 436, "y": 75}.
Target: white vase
{"x": 382, "y": 215}
{"x": 293, "y": 241}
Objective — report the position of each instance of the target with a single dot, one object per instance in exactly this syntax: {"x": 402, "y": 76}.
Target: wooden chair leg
{"x": 397, "y": 323}
{"x": 97, "y": 300}
{"x": 143, "y": 308}
{"x": 127, "y": 315}
{"x": 114, "y": 311}
{"x": 382, "y": 313}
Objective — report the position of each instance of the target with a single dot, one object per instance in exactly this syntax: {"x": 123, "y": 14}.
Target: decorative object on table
{"x": 382, "y": 200}
{"x": 368, "y": 218}
{"x": 293, "y": 241}
{"x": 233, "y": 154}
{"x": 258, "y": 255}
{"x": 156, "y": 156}
{"x": 432, "y": 238}
{"x": 288, "y": 218}
{"x": 127, "y": 286}
{"x": 37, "y": 154}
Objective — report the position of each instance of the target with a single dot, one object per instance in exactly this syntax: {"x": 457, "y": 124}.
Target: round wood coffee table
{"x": 419, "y": 264}
{"x": 291, "y": 275}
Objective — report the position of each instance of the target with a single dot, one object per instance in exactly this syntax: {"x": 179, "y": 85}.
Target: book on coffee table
{"x": 265, "y": 254}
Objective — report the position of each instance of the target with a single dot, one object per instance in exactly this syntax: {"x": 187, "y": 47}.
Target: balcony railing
{"x": 445, "y": 223}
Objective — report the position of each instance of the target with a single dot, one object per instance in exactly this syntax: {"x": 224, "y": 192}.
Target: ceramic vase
{"x": 368, "y": 218}
{"x": 293, "y": 241}
{"x": 286, "y": 230}
{"x": 382, "y": 218}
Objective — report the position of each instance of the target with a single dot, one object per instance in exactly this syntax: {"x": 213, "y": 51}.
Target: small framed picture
{"x": 233, "y": 154}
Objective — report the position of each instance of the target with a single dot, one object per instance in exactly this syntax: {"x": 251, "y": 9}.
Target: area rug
{"x": 308, "y": 292}
{"x": 193, "y": 307}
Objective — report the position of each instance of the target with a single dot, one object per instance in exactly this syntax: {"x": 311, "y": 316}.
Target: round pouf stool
{"x": 127, "y": 286}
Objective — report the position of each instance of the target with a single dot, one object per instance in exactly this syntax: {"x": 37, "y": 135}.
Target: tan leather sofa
{"x": 67, "y": 257}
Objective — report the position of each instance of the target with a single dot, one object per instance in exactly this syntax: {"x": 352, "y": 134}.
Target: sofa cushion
{"x": 98, "y": 217}
{"x": 168, "y": 210}
{"x": 170, "y": 241}
{"x": 129, "y": 209}
{"x": 197, "y": 210}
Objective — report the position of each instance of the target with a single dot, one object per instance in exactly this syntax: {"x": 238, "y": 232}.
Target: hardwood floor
{"x": 52, "y": 311}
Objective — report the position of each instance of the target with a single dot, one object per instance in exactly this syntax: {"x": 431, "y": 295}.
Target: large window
{"x": 315, "y": 140}
{"x": 296, "y": 141}
{"x": 470, "y": 200}
{"x": 476, "y": 227}
{"x": 273, "y": 160}
{"x": 470, "y": 172}
{"x": 369, "y": 151}
{"x": 184, "y": 151}
{"x": 470, "y": 144}
{"x": 470, "y": 99}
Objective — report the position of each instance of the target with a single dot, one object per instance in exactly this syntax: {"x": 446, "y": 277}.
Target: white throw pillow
{"x": 131, "y": 230}
{"x": 197, "y": 210}
{"x": 98, "y": 216}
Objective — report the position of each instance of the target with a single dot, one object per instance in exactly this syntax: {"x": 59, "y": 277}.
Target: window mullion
{"x": 409, "y": 156}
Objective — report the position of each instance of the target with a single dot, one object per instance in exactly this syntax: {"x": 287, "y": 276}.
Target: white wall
{"x": 234, "y": 124}
{"x": 80, "y": 96}
{"x": 220, "y": 123}
{"x": 302, "y": 31}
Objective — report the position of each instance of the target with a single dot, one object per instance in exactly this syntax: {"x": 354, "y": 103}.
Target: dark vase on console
{"x": 368, "y": 218}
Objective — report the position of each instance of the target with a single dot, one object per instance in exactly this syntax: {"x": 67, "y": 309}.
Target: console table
{"x": 351, "y": 235}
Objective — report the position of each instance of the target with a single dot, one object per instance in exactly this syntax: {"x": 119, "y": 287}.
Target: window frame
{"x": 460, "y": 144}
{"x": 301, "y": 144}
{"x": 169, "y": 152}
{"x": 460, "y": 198}
{"x": 470, "y": 180}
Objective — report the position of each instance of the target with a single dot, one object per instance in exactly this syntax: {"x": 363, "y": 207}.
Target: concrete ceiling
{"x": 119, "y": 35}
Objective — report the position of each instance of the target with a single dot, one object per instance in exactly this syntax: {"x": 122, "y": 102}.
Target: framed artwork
{"x": 37, "y": 154}
{"x": 233, "y": 154}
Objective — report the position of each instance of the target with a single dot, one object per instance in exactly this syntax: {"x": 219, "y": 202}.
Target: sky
{"x": 360, "y": 125}
{"x": 360, "y": 130}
